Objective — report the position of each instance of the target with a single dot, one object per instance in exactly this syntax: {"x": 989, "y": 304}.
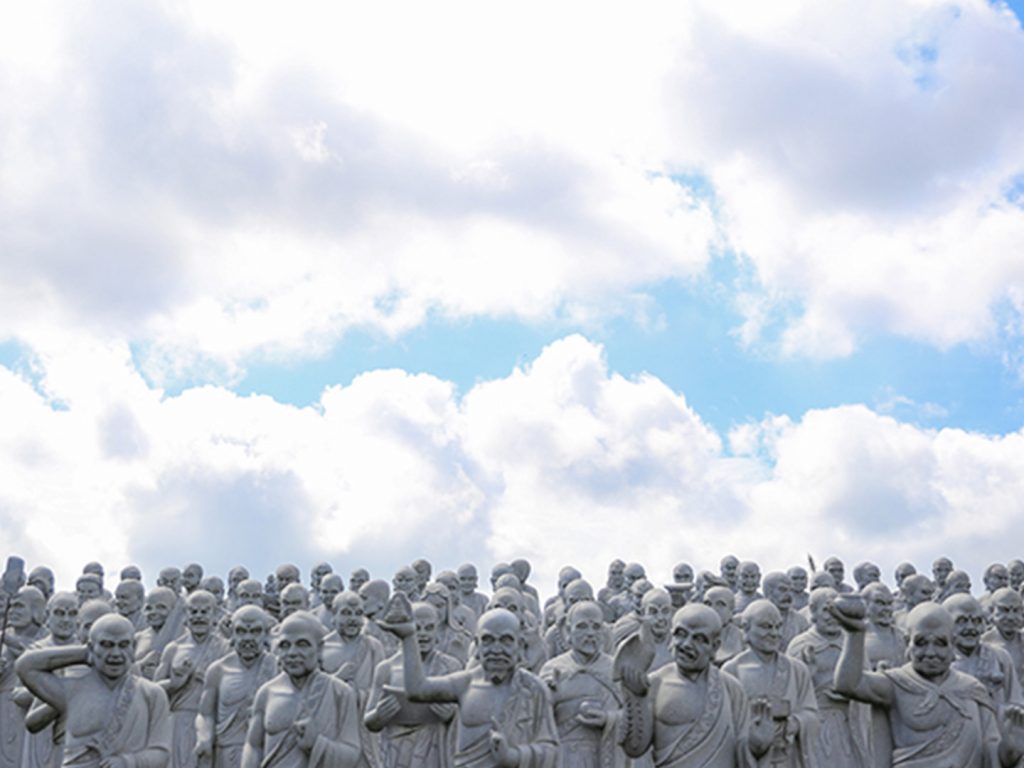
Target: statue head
{"x": 192, "y": 577}
{"x": 374, "y": 594}
{"x": 236, "y": 576}
{"x": 728, "y": 568}
{"x": 428, "y": 624}
{"x": 423, "y": 570}
{"x": 762, "y": 627}
{"x": 958, "y": 582}
{"x": 696, "y": 637}
{"x": 316, "y": 576}
{"x": 467, "y": 578}
{"x": 215, "y": 586}
{"x": 129, "y": 596}
{"x": 1015, "y": 570}
{"x": 585, "y": 621}
{"x": 521, "y": 568}
{"x": 822, "y": 579}
{"x": 89, "y": 587}
{"x": 632, "y": 573}
{"x": 615, "y": 578}
{"x": 132, "y": 572}
{"x": 42, "y": 579}
{"x": 722, "y": 601}
{"x": 903, "y": 570}
{"x": 508, "y": 599}
{"x": 294, "y": 597}
{"x": 200, "y": 613}
{"x": 941, "y": 569}
{"x": 170, "y": 577}
{"x": 996, "y": 577}
{"x": 779, "y": 589}
{"x": 299, "y": 644}
{"x": 62, "y": 616}
{"x": 749, "y": 577}
{"x": 405, "y": 581}
{"x": 96, "y": 569}
{"x": 797, "y": 578}
{"x": 27, "y": 609}
{"x": 968, "y": 622}
{"x": 112, "y": 646}
{"x": 637, "y": 590}
{"x": 499, "y": 643}
{"x": 566, "y": 576}
{"x": 682, "y": 573}
{"x": 158, "y": 606}
{"x": 287, "y": 574}
{"x": 878, "y": 604}
{"x": 349, "y": 615}
{"x": 249, "y": 625}
{"x": 450, "y": 580}
{"x": 508, "y": 580}
{"x": 331, "y": 586}
{"x": 357, "y": 578}
{"x": 1007, "y": 611}
{"x": 917, "y": 589}
{"x": 656, "y": 611}
{"x": 931, "y": 640}
{"x": 497, "y": 571}
{"x": 437, "y": 595}
{"x": 866, "y": 573}
{"x": 835, "y": 568}
{"x": 820, "y": 603}
{"x": 88, "y": 613}
{"x": 250, "y": 592}
{"x": 577, "y": 591}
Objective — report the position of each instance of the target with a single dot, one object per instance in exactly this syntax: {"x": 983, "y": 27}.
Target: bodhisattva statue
{"x": 113, "y": 718}
{"x": 938, "y": 716}
{"x": 229, "y": 689}
{"x": 587, "y": 701}
{"x": 722, "y": 601}
{"x": 303, "y": 717}
{"x": 841, "y": 722}
{"x": 182, "y": 669}
{"x": 989, "y": 664}
{"x": 505, "y": 718}
{"x": 1006, "y": 613}
{"x": 779, "y": 591}
{"x": 767, "y": 674}
{"x": 413, "y": 734}
{"x": 690, "y": 713}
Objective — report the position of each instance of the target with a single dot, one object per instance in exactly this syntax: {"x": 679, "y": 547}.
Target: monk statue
{"x": 286, "y": 574}
{"x": 452, "y": 638}
{"x": 150, "y": 642}
{"x": 413, "y": 734}
{"x": 885, "y": 644}
{"x": 901, "y": 573}
{"x": 916, "y": 589}
{"x": 865, "y": 573}
{"x": 627, "y": 602}
{"x": 42, "y": 579}
{"x": 937, "y": 715}
{"x": 1015, "y": 570}
{"x": 191, "y": 578}
{"x": 767, "y": 674}
{"x": 423, "y": 570}
{"x": 748, "y": 582}
{"x": 989, "y": 664}
{"x": 779, "y": 591}
{"x": 249, "y": 592}
{"x": 348, "y": 652}
{"x": 841, "y": 723}
{"x": 728, "y": 569}
{"x": 129, "y": 597}
{"x": 375, "y": 594}
{"x": 628, "y": 623}
{"x": 96, "y": 569}
{"x": 357, "y": 578}
{"x": 132, "y": 572}
{"x": 521, "y": 568}
{"x": 1006, "y": 612}
{"x": 405, "y": 581}
{"x": 996, "y": 577}
{"x": 656, "y": 612}
{"x": 835, "y": 568}
{"x": 170, "y": 577}
{"x": 182, "y": 670}
{"x": 615, "y": 583}
{"x": 529, "y": 601}
{"x": 798, "y": 584}
{"x": 689, "y": 713}
{"x": 468, "y": 581}
{"x": 505, "y": 717}
{"x": 556, "y": 638}
{"x": 236, "y": 576}
{"x": 722, "y": 601}
{"x": 294, "y": 597}
{"x": 26, "y": 616}
{"x": 957, "y": 583}
{"x": 587, "y": 701}
{"x": 464, "y": 616}
{"x": 89, "y": 586}
{"x": 316, "y": 578}
{"x": 329, "y": 588}
{"x": 112, "y": 717}
{"x": 941, "y": 569}
{"x": 229, "y": 688}
{"x": 533, "y": 654}
{"x": 303, "y": 717}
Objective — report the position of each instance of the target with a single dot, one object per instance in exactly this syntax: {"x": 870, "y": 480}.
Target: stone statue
{"x": 628, "y": 623}
{"x": 170, "y": 577}
{"x": 1007, "y": 616}
{"x": 729, "y": 568}
{"x": 587, "y": 702}
{"x": 375, "y": 594}
{"x": 163, "y": 625}
{"x": 329, "y": 588}
{"x": 996, "y": 577}
{"x": 902, "y": 571}
{"x": 96, "y": 569}
{"x": 229, "y": 688}
{"x": 89, "y": 586}
{"x": 26, "y": 615}
{"x": 293, "y": 597}
{"x": 786, "y": 684}
{"x": 521, "y": 568}
{"x": 614, "y": 585}
{"x": 690, "y": 714}
{"x": 452, "y": 638}
{"x": 464, "y": 616}
{"x": 129, "y": 597}
{"x": 748, "y": 581}
{"x": 249, "y": 592}
{"x": 937, "y": 715}
{"x": 468, "y": 582}
{"x": 131, "y": 572}
{"x": 287, "y": 574}
{"x": 1015, "y": 570}
{"x": 303, "y": 717}
{"x": 405, "y": 581}
{"x": 533, "y": 653}
{"x": 941, "y": 569}
{"x": 834, "y": 567}
{"x": 626, "y": 602}
{"x": 989, "y": 664}
{"x": 413, "y": 734}
{"x": 316, "y": 578}
{"x": 957, "y": 583}
{"x": 182, "y": 669}
{"x": 556, "y": 638}
{"x": 215, "y": 586}
{"x": 722, "y": 601}
{"x": 42, "y": 579}
{"x": 505, "y": 717}
{"x": 423, "y": 570}
{"x": 236, "y": 576}
{"x": 113, "y": 718}
{"x": 916, "y": 589}
{"x": 842, "y": 724}
{"x": 357, "y": 578}
{"x": 866, "y": 573}
{"x": 798, "y": 583}
{"x": 778, "y": 590}
{"x": 531, "y": 605}
{"x": 348, "y": 652}
{"x": 885, "y": 644}
{"x": 191, "y": 577}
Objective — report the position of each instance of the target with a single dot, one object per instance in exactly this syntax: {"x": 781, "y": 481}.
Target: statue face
{"x": 292, "y": 600}
{"x": 869, "y": 575}
{"x": 191, "y": 577}
{"x": 426, "y": 629}
{"x": 824, "y": 621}
{"x": 437, "y": 601}
{"x": 879, "y": 607}
{"x": 631, "y": 574}
{"x": 958, "y": 583}
{"x": 996, "y": 577}
{"x": 968, "y": 625}
{"x": 330, "y": 589}
{"x": 834, "y": 567}
{"x": 510, "y": 602}
{"x": 682, "y": 574}
{"x": 941, "y": 570}
{"x": 405, "y": 581}
{"x": 585, "y": 627}
{"x": 1016, "y": 573}
{"x": 236, "y": 577}
{"x": 920, "y": 593}
{"x": 721, "y": 603}
{"x": 468, "y": 580}
{"x": 903, "y": 571}
{"x": 298, "y": 650}
{"x": 615, "y": 578}
{"x": 63, "y": 619}
{"x": 199, "y": 615}
{"x": 694, "y": 643}
{"x": 348, "y": 618}
{"x": 129, "y": 599}
{"x": 780, "y": 593}
{"x": 113, "y": 651}
{"x": 41, "y": 582}
{"x": 316, "y": 576}
{"x": 498, "y": 642}
{"x": 250, "y": 594}
{"x": 285, "y": 575}
{"x": 248, "y": 637}
{"x": 729, "y": 567}
{"x": 156, "y": 610}
{"x": 1008, "y": 615}
{"x": 87, "y": 589}
{"x": 422, "y": 569}
{"x": 931, "y": 650}
{"x": 749, "y": 578}
{"x": 657, "y": 614}
{"x": 19, "y": 614}
{"x": 797, "y": 579}
{"x": 764, "y": 631}
{"x": 170, "y": 578}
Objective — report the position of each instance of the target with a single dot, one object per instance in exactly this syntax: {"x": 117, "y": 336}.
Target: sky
{"x": 474, "y": 281}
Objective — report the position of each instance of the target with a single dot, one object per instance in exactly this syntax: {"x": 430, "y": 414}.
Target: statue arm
{"x": 419, "y": 687}
{"x": 853, "y": 681}
{"x": 39, "y": 716}
{"x": 638, "y": 715}
{"x": 206, "y": 717}
{"x": 252, "y": 752}
{"x": 36, "y": 670}
{"x": 372, "y": 719}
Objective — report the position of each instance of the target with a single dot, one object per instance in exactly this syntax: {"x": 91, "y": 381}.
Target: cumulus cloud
{"x": 562, "y": 461}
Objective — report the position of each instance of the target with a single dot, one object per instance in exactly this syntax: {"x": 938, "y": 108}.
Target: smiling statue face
{"x": 968, "y": 622}
{"x": 63, "y": 618}
{"x": 200, "y": 611}
{"x": 931, "y": 640}
{"x": 696, "y": 631}
{"x": 348, "y": 615}
{"x": 656, "y": 612}
{"x": 298, "y": 645}
{"x": 762, "y": 623}
{"x": 112, "y": 646}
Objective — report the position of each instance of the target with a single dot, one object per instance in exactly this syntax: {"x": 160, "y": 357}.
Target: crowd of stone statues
{"x": 717, "y": 669}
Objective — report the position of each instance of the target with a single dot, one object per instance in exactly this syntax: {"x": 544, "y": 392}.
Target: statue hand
{"x": 504, "y": 755}
{"x": 388, "y": 707}
{"x": 1011, "y": 747}
{"x": 846, "y": 621}
{"x": 809, "y": 657}
{"x": 762, "y": 727}
{"x": 307, "y": 735}
{"x": 204, "y": 747}
{"x": 551, "y": 678}
{"x": 592, "y": 715}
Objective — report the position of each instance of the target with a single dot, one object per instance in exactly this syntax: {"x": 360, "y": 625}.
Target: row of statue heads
{"x": 712, "y": 668}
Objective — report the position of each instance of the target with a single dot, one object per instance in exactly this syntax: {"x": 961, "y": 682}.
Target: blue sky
{"x": 306, "y": 281}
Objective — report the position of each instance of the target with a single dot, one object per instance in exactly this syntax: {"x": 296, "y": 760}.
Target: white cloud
{"x": 562, "y": 460}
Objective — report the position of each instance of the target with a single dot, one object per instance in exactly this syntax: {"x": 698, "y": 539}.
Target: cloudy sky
{"x": 364, "y": 282}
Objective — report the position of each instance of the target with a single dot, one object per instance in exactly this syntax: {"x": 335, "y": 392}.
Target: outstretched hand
{"x": 1011, "y": 747}
{"x": 846, "y": 621}
{"x": 505, "y": 755}
{"x": 397, "y": 618}
{"x": 762, "y": 727}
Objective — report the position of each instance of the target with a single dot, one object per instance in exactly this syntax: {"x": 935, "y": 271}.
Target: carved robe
{"x": 236, "y": 690}
{"x": 993, "y": 667}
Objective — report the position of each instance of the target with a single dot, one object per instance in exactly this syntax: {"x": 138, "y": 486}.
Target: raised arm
{"x": 36, "y": 670}
{"x": 419, "y": 687}
{"x": 850, "y": 678}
